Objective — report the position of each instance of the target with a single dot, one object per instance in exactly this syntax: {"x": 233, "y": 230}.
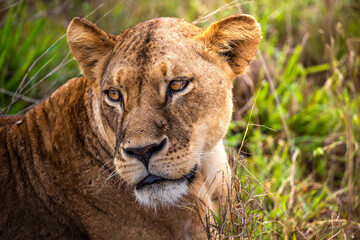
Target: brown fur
{"x": 56, "y": 160}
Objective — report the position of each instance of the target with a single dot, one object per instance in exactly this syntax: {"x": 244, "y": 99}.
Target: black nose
{"x": 144, "y": 153}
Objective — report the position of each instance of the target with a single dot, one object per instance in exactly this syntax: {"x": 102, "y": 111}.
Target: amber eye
{"x": 113, "y": 95}
{"x": 178, "y": 85}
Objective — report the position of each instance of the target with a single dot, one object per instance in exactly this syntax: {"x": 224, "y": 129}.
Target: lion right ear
{"x": 236, "y": 38}
{"x": 90, "y": 46}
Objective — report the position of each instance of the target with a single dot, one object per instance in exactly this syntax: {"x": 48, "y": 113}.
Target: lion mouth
{"x": 153, "y": 179}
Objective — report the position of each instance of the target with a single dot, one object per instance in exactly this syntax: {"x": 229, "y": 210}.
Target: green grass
{"x": 303, "y": 134}
{"x": 26, "y": 57}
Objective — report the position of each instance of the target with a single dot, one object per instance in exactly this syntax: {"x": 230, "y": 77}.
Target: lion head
{"x": 161, "y": 97}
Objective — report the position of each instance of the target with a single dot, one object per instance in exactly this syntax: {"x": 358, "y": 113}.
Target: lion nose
{"x": 143, "y": 154}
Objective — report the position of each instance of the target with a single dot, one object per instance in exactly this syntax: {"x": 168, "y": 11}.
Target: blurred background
{"x": 295, "y": 132}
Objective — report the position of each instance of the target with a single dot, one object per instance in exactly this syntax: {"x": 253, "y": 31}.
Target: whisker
{"x": 118, "y": 181}
{"x": 105, "y": 168}
{"x": 111, "y": 175}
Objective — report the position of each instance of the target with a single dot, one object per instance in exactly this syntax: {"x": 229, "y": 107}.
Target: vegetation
{"x": 297, "y": 171}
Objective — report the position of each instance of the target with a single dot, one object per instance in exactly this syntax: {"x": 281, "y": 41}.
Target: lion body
{"x": 62, "y": 161}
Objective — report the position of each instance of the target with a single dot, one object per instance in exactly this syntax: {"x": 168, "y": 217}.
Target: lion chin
{"x": 154, "y": 191}
{"x": 161, "y": 194}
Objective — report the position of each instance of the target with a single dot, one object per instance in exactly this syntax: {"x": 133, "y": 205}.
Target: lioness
{"x": 150, "y": 111}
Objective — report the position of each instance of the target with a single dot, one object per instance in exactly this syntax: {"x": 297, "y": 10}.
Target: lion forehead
{"x": 153, "y": 38}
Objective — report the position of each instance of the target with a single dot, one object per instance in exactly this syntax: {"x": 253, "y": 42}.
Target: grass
{"x": 295, "y": 151}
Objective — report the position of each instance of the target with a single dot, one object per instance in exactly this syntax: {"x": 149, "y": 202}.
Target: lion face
{"x": 162, "y": 96}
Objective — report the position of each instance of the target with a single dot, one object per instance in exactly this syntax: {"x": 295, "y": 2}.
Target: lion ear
{"x": 90, "y": 46}
{"x": 236, "y": 38}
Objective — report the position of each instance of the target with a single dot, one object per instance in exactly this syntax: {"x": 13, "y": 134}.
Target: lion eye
{"x": 113, "y": 95}
{"x": 178, "y": 85}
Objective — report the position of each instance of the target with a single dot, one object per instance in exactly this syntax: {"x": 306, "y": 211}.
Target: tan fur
{"x": 62, "y": 161}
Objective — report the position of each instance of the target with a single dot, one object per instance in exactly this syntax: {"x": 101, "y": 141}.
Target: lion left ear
{"x": 236, "y": 38}
{"x": 90, "y": 45}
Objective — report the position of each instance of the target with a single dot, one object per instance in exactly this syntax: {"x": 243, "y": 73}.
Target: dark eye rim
{"x": 186, "y": 83}
{"x": 112, "y": 100}
{"x": 170, "y": 92}
{"x": 186, "y": 80}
